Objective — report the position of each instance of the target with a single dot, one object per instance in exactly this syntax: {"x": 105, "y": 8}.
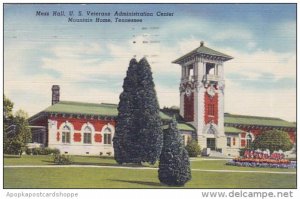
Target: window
{"x": 66, "y": 131}
{"x": 233, "y": 141}
{"x": 190, "y": 72}
{"x": 229, "y": 141}
{"x": 211, "y": 109}
{"x": 248, "y": 140}
{"x": 210, "y": 69}
{"x": 107, "y": 135}
{"x": 87, "y": 135}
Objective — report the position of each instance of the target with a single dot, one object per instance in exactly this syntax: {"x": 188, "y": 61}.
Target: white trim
{"x": 207, "y": 127}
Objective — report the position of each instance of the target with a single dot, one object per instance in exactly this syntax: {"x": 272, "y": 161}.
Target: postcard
{"x": 151, "y": 96}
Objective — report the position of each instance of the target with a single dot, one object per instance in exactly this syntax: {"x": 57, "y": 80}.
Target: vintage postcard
{"x": 150, "y": 96}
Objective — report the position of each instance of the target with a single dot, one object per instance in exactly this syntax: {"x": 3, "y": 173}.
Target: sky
{"x": 89, "y": 60}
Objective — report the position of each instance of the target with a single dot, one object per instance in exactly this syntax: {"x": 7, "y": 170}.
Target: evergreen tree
{"x": 126, "y": 138}
{"x": 149, "y": 121}
{"x": 138, "y": 136}
{"x": 174, "y": 166}
{"x": 273, "y": 140}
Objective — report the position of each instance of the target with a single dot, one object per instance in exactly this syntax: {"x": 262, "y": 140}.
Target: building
{"x": 88, "y": 128}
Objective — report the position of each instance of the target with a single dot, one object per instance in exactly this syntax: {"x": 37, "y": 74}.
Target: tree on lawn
{"x": 174, "y": 165}
{"x": 8, "y": 106}
{"x": 15, "y": 142}
{"x": 273, "y": 140}
{"x": 126, "y": 138}
{"x": 138, "y": 136}
{"x": 23, "y": 133}
{"x": 148, "y": 119}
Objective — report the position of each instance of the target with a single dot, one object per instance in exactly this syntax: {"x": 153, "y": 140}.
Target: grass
{"x": 133, "y": 178}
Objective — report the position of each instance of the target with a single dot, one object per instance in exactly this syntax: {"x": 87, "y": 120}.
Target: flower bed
{"x": 263, "y": 163}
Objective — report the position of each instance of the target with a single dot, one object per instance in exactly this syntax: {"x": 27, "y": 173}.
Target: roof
{"x": 229, "y": 129}
{"x": 257, "y": 121}
{"x": 204, "y": 50}
{"x": 102, "y": 109}
{"x": 185, "y": 127}
{"x": 182, "y": 127}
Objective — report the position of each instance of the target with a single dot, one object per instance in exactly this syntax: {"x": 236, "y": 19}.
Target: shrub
{"x": 108, "y": 153}
{"x": 193, "y": 148}
{"x": 55, "y": 151}
{"x": 43, "y": 151}
{"x": 37, "y": 151}
{"x": 28, "y": 151}
{"x": 273, "y": 140}
{"x": 62, "y": 159}
{"x": 101, "y": 153}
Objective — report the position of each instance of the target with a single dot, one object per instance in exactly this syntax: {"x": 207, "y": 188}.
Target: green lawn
{"x": 133, "y": 178}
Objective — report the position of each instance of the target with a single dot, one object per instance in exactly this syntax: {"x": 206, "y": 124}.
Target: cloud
{"x": 260, "y": 82}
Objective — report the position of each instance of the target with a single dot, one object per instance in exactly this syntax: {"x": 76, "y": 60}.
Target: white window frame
{"x": 92, "y": 128}
{"x": 62, "y": 131}
{"x": 104, "y": 133}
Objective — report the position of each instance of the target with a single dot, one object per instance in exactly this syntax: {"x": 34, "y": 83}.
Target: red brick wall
{"x": 78, "y": 123}
{"x": 209, "y": 102}
{"x": 292, "y": 135}
{"x": 189, "y": 107}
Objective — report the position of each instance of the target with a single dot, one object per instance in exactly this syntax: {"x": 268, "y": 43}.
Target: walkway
{"x": 141, "y": 168}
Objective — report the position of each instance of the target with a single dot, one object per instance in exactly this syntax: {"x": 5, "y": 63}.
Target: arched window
{"x": 87, "y": 135}
{"x": 66, "y": 131}
{"x": 107, "y": 135}
{"x": 248, "y": 140}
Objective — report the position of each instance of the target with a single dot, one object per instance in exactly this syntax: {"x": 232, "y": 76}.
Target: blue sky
{"x": 89, "y": 60}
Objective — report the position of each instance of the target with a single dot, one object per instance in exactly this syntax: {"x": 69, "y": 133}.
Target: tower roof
{"x": 203, "y": 51}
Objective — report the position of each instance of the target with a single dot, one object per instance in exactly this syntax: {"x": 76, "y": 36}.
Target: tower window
{"x": 210, "y": 69}
{"x": 190, "y": 72}
{"x": 211, "y": 109}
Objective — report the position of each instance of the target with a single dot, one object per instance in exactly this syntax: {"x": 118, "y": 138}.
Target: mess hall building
{"x": 88, "y": 128}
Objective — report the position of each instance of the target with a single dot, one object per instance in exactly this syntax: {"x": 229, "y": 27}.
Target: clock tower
{"x": 202, "y": 94}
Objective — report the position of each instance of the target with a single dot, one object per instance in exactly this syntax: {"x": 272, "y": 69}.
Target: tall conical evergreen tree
{"x": 125, "y": 141}
{"x": 138, "y": 137}
{"x": 149, "y": 120}
{"x": 174, "y": 165}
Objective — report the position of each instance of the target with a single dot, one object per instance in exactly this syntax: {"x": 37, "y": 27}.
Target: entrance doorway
{"x": 211, "y": 143}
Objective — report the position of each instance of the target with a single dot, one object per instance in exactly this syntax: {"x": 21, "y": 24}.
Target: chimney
{"x": 55, "y": 94}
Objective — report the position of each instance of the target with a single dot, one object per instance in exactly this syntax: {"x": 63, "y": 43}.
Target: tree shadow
{"x": 156, "y": 184}
{"x": 98, "y": 164}
{"x": 12, "y": 156}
